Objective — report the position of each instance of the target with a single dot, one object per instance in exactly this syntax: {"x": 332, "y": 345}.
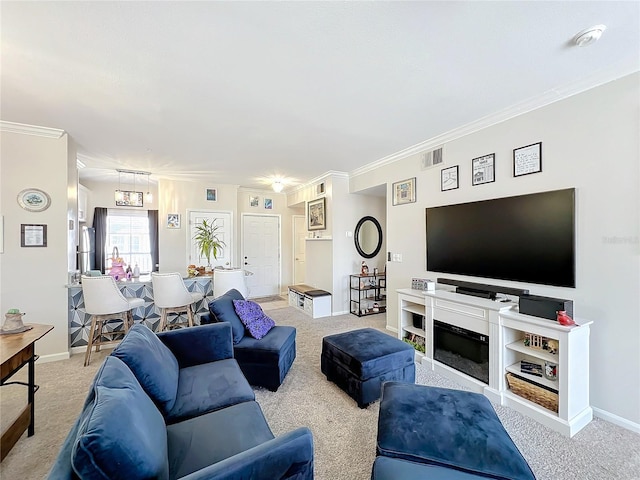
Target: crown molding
{"x": 24, "y": 129}
{"x": 534, "y": 103}
{"x": 330, "y": 173}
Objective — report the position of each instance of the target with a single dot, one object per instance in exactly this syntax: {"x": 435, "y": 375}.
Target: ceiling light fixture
{"x": 277, "y": 186}
{"x": 589, "y": 35}
{"x": 119, "y": 195}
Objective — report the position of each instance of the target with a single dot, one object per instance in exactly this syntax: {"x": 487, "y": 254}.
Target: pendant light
{"x": 118, "y": 195}
{"x": 149, "y": 195}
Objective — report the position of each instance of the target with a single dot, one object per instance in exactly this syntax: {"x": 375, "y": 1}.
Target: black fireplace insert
{"x": 462, "y": 349}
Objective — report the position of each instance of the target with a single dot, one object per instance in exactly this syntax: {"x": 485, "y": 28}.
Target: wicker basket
{"x": 533, "y": 392}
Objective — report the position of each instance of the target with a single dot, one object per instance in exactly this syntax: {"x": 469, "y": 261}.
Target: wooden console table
{"x": 16, "y": 351}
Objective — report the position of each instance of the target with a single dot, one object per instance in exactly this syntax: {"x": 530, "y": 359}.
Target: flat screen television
{"x": 526, "y": 238}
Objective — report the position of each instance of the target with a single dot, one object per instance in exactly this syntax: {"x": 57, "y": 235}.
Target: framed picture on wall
{"x": 212, "y": 194}
{"x": 173, "y": 220}
{"x": 268, "y": 204}
{"x": 404, "y": 191}
{"x": 33, "y": 235}
{"x": 316, "y": 214}
{"x": 254, "y": 201}
{"x": 527, "y": 160}
{"x": 449, "y": 178}
{"x": 483, "y": 169}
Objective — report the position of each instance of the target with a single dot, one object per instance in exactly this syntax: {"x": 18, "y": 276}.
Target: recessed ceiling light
{"x": 589, "y": 35}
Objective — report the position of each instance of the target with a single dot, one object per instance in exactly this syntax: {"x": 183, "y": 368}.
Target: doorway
{"x": 299, "y": 248}
{"x": 261, "y": 254}
{"x": 225, "y": 230}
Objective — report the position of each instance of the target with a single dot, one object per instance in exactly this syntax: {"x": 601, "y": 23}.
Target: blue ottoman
{"x": 359, "y": 362}
{"x": 446, "y": 428}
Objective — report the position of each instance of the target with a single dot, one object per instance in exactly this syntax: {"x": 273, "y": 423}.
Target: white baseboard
{"x": 335, "y": 314}
{"x": 54, "y": 357}
{"x": 392, "y": 329}
{"x": 616, "y": 420}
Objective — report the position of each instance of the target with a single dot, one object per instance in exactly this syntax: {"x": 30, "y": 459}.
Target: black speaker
{"x": 481, "y": 289}
{"x": 545, "y": 307}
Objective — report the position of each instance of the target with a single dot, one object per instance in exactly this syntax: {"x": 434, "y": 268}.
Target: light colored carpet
{"x": 344, "y": 435}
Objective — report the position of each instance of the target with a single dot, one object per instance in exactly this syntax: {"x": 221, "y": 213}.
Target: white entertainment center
{"x": 506, "y": 330}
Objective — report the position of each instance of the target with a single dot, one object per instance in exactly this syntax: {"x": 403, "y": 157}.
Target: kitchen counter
{"x": 145, "y": 279}
{"x": 80, "y": 320}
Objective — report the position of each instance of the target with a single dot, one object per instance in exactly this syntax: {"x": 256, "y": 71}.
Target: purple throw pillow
{"x": 253, "y": 318}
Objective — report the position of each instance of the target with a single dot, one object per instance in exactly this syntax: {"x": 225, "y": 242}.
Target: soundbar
{"x": 481, "y": 289}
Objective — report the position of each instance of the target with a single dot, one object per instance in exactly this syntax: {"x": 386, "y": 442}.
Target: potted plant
{"x": 207, "y": 240}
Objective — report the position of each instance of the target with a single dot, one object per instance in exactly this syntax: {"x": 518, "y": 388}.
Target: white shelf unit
{"x": 408, "y": 305}
{"x": 314, "y": 306}
{"x": 506, "y": 329}
{"x": 572, "y": 360}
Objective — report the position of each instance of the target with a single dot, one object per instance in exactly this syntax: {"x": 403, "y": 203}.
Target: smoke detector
{"x": 589, "y": 35}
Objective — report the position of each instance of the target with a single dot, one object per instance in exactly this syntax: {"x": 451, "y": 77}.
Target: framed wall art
{"x": 212, "y": 194}
{"x": 34, "y": 200}
{"x": 129, "y": 199}
{"x": 527, "y": 160}
{"x": 173, "y": 220}
{"x": 404, "y": 191}
{"x": 483, "y": 169}
{"x": 316, "y": 214}
{"x": 33, "y": 235}
{"x": 449, "y": 178}
{"x": 268, "y": 204}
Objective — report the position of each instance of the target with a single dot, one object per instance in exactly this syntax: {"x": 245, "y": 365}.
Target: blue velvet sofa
{"x": 264, "y": 362}
{"x": 176, "y": 405}
{"x": 443, "y": 434}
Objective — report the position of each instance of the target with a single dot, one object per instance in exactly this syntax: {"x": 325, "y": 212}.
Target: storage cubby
{"x": 409, "y": 308}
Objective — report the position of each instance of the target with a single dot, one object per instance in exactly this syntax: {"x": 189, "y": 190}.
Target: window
{"x": 129, "y": 231}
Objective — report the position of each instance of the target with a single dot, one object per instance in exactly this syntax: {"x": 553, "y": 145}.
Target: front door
{"x": 261, "y": 254}
{"x": 223, "y": 221}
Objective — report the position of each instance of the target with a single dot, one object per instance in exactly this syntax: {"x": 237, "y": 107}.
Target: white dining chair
{"x": 104, "y": 301}
{"x": 171, "y": 296}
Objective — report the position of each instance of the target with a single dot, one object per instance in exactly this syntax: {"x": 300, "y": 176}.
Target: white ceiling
{"x": 246, "y": 91}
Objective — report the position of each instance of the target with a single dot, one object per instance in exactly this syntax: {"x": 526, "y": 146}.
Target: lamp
{"x": 277, "y": 186}
{"x": 118, "y": 194}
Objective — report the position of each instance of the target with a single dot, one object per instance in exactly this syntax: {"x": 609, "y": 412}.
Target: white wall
{"x": 34, "y": 279}
{"x": 589, "y": 141}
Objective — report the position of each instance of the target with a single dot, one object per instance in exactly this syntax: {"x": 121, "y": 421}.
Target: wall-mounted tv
{"x": 526, "y": 238}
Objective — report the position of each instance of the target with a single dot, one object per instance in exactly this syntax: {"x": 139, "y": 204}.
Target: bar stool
{"x": 225, "y": 279}
{"x": 171, "y": 296}
{"x": 104, "y": 302}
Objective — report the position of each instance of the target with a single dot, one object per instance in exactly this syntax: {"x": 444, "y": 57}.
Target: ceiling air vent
{"x": 432, "y": 158}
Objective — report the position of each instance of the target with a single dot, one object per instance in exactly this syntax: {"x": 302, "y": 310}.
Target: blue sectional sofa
{"x": 176, "y": 405}
{"x": 264, "y": 362}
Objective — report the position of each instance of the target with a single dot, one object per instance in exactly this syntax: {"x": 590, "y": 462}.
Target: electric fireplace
{"x": 462, "y": 349}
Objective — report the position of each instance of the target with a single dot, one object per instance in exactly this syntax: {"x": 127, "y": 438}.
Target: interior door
{"x": 299, "y": 245}
{"x": 261, "y": 254}
{"x": 223, "y": 221}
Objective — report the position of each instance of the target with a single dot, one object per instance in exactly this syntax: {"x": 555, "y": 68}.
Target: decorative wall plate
{"x": 34, "y": 200}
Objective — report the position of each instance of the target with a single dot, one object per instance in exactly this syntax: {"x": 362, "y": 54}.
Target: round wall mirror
{"x": 368, "y": 237}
